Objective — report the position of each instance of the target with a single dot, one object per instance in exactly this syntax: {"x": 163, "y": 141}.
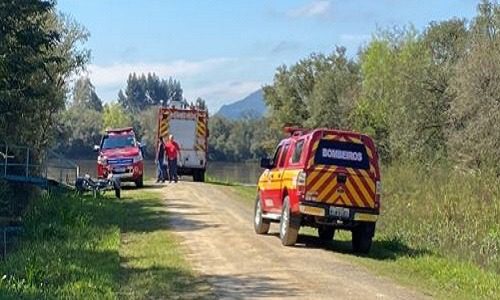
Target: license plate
{"x": 340, "y": 212}
{"x": 119, "y": 170}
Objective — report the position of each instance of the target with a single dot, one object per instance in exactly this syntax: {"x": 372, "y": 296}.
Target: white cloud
{"x": 316, "y": 8}
{"x": 117, "y": 74}
{"x": 221, "y": 93}
{"x": 211, "y": 79}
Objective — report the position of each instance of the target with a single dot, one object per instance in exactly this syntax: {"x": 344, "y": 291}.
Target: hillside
{"x": 251, "y": 104}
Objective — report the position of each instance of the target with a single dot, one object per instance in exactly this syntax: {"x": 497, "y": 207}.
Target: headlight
{"x": 102, "y": 160}
{"x": 137, "y": 158}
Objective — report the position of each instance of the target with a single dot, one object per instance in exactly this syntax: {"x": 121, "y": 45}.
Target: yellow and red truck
{"x": 189, "y": 126}
{"x": 323, "y": 178}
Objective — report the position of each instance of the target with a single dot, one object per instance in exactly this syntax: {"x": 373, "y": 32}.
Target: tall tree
{"x": 475, "y": 111}
{"x": 84, "y": 94}
{"x": 143, "y": 91}
{"x": 114, "y": 116}
{"x": 40, "y": 52}
{"x": 200, "y": 103}
{"x": 334, "y": 92}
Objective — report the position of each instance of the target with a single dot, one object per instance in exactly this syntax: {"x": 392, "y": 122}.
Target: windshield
{"x": 118, "y": 141}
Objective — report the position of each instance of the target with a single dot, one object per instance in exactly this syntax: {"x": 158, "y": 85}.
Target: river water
{"x": 244, "y": 172}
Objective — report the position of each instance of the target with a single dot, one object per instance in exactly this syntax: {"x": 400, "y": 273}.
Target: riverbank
{"x": 438, "y": 231}
{"x": 76, "y": 247}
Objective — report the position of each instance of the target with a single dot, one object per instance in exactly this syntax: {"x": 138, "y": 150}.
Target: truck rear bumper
{"x": 332, "y": 213}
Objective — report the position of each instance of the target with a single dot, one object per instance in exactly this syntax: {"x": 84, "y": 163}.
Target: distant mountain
{"x": 252, "y": 104}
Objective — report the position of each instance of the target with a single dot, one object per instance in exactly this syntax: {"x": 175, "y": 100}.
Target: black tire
{"x": 79, "y": 185}
{"x": 198, "y": 176}
{"x": 289, "y": 224}
{"x": 117, "y": 188}
{"x": 139, "y": 182}
{"x": 260, "y": 224}
{"x": 362, "y": 236}
{"x": 326, "y": 233}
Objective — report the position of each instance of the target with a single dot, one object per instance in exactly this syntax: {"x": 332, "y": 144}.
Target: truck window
{"x": 297, "y": 152}
{"x": 118, "y": 141}
{"x": 283, "y": 155}
{"x": 276, "y": 156}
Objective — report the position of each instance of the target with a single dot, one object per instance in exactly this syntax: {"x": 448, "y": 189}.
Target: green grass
{"x": 219, "y": 181}
{"x": 77, "y": 247}
{"x": 153, "y": 265}
{"x": 438, "y": 231}
{"x": 69, "y": 249}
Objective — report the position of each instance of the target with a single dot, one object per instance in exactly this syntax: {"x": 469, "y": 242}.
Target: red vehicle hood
{"x": 121, "y": 152}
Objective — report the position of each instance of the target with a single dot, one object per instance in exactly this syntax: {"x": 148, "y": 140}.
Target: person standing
{"x": 173, "y": 151}
{"x": 160, "y": 160}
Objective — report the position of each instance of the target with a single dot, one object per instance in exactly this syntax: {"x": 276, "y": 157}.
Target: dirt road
{"x": 217, "y": 232}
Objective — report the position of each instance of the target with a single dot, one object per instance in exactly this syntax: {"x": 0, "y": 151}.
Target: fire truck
{"x": 188, "y": 125}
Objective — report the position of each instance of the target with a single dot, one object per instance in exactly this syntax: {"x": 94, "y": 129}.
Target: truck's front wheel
{"x": 289, "y": 225}
{"x": 139, "y": 182}
{"x": 260, "y": 224}
{"x": 362, "y": 236}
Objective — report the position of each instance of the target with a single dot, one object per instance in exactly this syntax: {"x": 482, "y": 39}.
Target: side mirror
{"x": 266, "y": 163}
{"x": 97, "y": 148}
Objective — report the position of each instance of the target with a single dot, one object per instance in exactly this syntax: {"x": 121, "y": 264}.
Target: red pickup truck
{"x": 121, "y": 154}
{"x": 323, "y": 178}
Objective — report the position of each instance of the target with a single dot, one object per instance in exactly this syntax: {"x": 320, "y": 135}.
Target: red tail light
{"x": 300, "y": 183}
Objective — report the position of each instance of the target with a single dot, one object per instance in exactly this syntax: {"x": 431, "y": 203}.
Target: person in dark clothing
{"x": 173, "y": 151}
{"x": 160, "y": 160}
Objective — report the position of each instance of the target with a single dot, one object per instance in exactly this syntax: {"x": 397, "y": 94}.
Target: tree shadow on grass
{"x": 58, "y": 267}
{"x": 160, "y": 282}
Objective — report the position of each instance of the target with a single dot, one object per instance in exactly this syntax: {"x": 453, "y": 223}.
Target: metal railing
{"x": 20, "y": 163}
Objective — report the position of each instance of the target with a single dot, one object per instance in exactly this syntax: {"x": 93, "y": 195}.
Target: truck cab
{"x": 120, "y": 153}
{"x": 323, "y": 178}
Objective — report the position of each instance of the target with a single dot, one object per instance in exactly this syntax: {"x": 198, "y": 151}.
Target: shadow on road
{"x": 244, "y": 287}
{"x": 131, "y": 186}
{"x": 180, "y": 217}
{"x": 383, "y": 248}
{"x": 148, "y": 215}
{"x": 173, "y": 283}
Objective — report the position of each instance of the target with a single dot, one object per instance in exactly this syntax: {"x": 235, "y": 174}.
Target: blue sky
{"x": 224, "y": 50}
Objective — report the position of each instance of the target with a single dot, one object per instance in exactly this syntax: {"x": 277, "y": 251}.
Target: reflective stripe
{"x": 365, "y": 217}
